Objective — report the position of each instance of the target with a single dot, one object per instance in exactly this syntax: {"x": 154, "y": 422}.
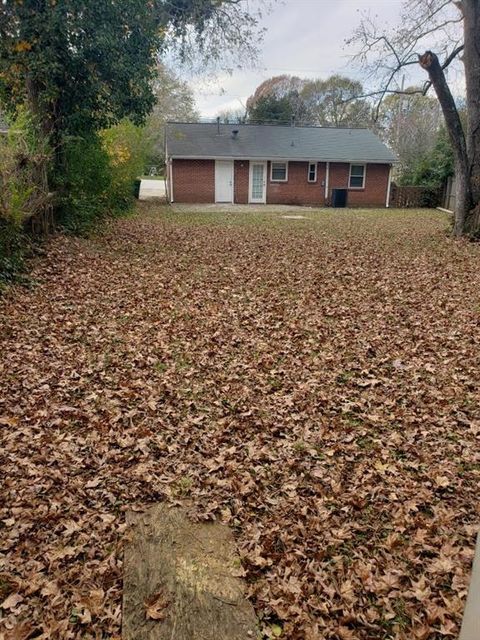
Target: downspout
{"x": 167, "y": 167}
{"x": 168, "y": 176}
{"x": 387, "y": 203}
{"x": 170, "y": 168}
{"x": 327, "y": 180}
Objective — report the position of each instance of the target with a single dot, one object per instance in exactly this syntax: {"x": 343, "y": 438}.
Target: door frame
{"x": 250, "y": 182}
{"x": 232, "y": 182}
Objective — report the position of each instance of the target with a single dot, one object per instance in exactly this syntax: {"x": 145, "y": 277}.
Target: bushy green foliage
{"x": 127, "y": 150}
{"x": 84, "y": 65}
{"x": 23, "y": 156}
{"x": 272, "y": 109}
{"x": 86, "y": 184}
{"x": 99, "y": 176}
{"x": 433, "y": 168}
{"x": 13, "y": 243}
{"x": 80, "y": 67}
{"x": 23, "y": 190}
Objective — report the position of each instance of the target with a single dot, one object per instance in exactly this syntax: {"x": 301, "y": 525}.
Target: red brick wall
{"x": 193, "y": 180}
{"x": 297, "y": 190}
{"x": 241, "y": 173}
{"x": 376, "y": 184}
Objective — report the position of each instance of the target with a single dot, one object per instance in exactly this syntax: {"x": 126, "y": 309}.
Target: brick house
{"x": 273, "y": 164}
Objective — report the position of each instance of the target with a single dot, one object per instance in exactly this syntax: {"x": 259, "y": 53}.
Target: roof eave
{"x": 283, "y": 158}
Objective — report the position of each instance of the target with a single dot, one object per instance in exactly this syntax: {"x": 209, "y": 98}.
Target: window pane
{"x": 312, "y": 172}
{"x": 279, "y": 170}
{"x": 356, "y": 181}
{"x": 357, "y": 170}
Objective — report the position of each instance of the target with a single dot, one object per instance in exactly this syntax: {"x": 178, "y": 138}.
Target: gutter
{"x": 283, "y": 159}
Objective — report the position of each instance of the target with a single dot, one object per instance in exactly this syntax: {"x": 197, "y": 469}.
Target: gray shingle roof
{"x": 200, "y": 140}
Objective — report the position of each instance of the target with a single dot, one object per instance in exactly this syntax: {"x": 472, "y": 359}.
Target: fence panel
{"x": 415, "y": 197}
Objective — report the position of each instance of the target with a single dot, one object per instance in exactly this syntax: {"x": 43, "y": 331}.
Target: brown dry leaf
{"x": 12, "y": 601}
{"x": 156, "y": 607}
{"x": 50, "y": 589}
{"x": 21, "y": 631}
{"x": 442, "y": 481}
{"x": 315, "y": 386}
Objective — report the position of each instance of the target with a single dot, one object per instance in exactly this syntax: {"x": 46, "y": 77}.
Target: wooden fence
{"x": 415, "y": 197}
{"x": 449, "y": 194}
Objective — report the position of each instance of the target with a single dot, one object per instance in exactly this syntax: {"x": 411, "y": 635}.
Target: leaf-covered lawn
{"x": 313, "y": 383}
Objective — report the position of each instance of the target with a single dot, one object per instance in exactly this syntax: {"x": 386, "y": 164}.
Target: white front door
{"x": 223, "y": 180}
{"x": 258, "y": 182}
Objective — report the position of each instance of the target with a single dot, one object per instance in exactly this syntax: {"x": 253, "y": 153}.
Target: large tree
{"x": 174, "y": 101}
{"x": 82, "y": 65}
{"x": 277, "y": 99}
{"x": 410, "y": 125}
{"x": 331, "y": 102}
{"x": 435, "y": 34}
{"x": 270, "y": 109}
{"x": 334, "y": 102}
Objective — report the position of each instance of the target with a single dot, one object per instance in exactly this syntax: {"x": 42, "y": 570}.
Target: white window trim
{"x": 285, "y": 162}
{"x": 316, "y": 172}
{"x": 357, "y": 164}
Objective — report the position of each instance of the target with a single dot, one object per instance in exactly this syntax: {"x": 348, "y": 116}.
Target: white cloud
{"x": 304, "y": 38}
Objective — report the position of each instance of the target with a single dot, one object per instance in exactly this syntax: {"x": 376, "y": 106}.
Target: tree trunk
{"x": 471, "y": 59}
{"x": 429, "y": 62}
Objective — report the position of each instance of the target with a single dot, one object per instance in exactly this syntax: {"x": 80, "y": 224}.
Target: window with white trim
{"x": 357, "y": 176}
{"x": 279, "y": 172}
{"x": 312, "y": 171}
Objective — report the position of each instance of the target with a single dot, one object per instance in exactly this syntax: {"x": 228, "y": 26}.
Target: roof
{"x": 201, "y": 140}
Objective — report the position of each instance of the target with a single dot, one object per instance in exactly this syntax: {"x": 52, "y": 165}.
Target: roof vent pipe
{"x": 218, "y": 125}
{"x": 235, "y": 134}
{"x": 293, "y": 121}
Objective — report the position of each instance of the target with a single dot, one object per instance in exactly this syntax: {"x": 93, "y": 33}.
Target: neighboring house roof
{"x": 200, "y": 140}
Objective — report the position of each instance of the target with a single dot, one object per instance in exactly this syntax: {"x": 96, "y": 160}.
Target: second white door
{"x": 258, "y": 183}
{"x": 223, "y": 181}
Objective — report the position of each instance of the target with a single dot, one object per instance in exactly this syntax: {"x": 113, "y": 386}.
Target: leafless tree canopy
{"x": 433, "y": 34}
{"x": 385, "y": 52}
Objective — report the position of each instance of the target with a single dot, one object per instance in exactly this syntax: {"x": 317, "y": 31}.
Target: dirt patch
{"x": 182, "y": 580}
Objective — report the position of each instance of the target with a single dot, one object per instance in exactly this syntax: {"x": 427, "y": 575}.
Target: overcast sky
{"x": 303, "y": 38}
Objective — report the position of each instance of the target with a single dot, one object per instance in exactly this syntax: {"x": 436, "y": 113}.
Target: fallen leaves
{"x": 316, "y": 387}
{"x": 11, "y": 602}
{"x": 156, "y": 607}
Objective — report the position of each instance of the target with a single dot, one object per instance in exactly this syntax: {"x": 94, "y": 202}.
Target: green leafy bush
{"x": 99, "y": 176}
{"x": 433, "y": 168}
{"x": 84, "y": 184}
{"x": 13, "y": 243}
{"x": 127, "y": 149}
{"x": 24, "y": 196}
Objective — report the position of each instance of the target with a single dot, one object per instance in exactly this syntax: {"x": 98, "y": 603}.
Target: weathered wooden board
{"x": 181, "y": 580}
{"x": 471, "y": 619}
